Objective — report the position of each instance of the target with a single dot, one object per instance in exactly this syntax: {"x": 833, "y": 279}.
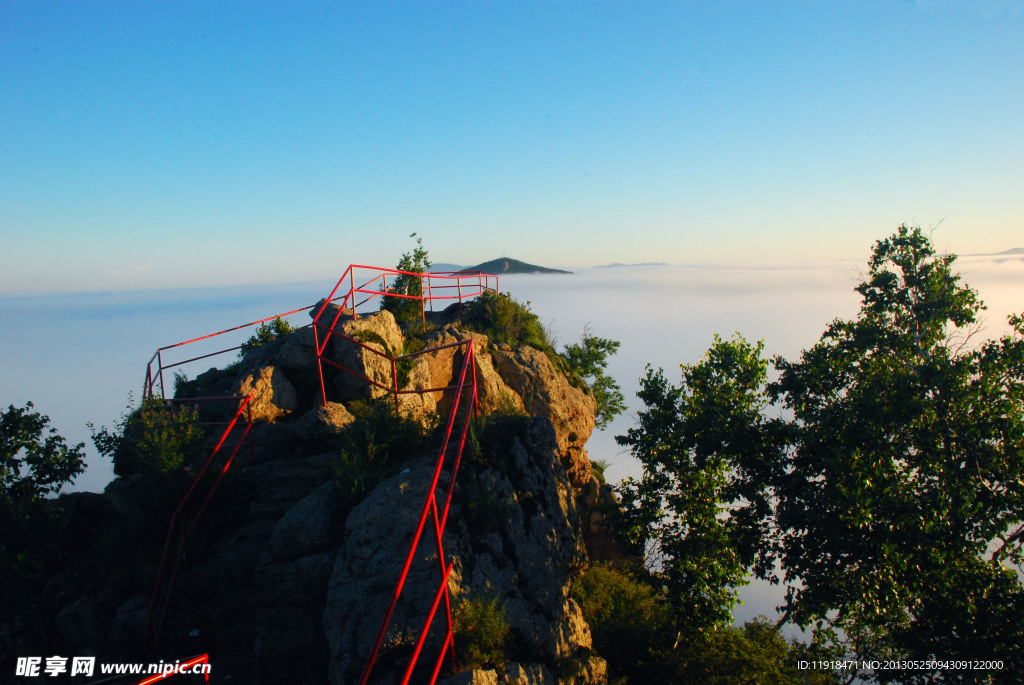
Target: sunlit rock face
{"x": 290, "y": 581}
{"x": 514, "y": 534}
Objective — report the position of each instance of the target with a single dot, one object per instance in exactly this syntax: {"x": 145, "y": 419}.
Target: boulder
{"x": 515, "y": 673}
{"x": 273, "y": 394}
{"x": 377, "y": 331}
{"x": 476, "y": 676}
{"x": 547, "y": 392}
{"x": 323, "y": 422}
{"x": 306, "y": 527}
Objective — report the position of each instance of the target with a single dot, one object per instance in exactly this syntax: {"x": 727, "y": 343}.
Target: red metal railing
{"x": 155, "y": 375}
{"x": 430, "y": 511}
{"x": 183, "y": 668}
{"x": 185, "y": 527}
{"x": 466, "y": 286}
{"x": 462, "y": 282}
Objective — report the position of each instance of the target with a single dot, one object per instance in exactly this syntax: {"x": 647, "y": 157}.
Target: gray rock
{"x": 473, "y": 677}
{"x": 515, "y": 673}
{"x": 78, "y": 624}
{"x": 308, "y": 526}
{"x": 273, "y": 394}
{"x": 125, "y": 630}
{"x": 548, "y": 393}
{"x": 323, "y": 422}
{"x": 528, "y": 558}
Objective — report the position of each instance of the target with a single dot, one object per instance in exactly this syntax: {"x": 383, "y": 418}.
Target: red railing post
{"x": 394, "y": 381}
{"x": 352, "y": 291}
{"x": 160, "y": 370}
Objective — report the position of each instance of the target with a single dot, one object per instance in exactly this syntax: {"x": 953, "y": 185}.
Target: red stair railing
{"x": 466, "y": 285}
{"x": 178, "y": 522}
{"x": 430, "y": 510}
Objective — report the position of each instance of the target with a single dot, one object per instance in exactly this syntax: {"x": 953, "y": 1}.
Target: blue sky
{"x": 159, "y": 144}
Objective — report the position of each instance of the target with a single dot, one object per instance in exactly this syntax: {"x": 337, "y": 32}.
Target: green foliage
{"x": 891, "y": 494}
{"x": 628, "y": 618}
{"x": 485, "y": 511}
{"x": 504, "y": 320}
{"x": 902, "y": 502}
{"x": 157, "y": 437}
{"x": 702, "y": 507}
{"x": 373, "y": 447}
{"x": 265, "y": 332}
{"x": 35, "y": 462}
{"x": 492, "y": 437}
{"x": 755, "y": 653}
{"x": 481, "y": 632}
{"x": 634, "y": 629}
{"x": 588, "y": 360}
{"x": 598, "y": 467}
{"x": 406, "y": 309}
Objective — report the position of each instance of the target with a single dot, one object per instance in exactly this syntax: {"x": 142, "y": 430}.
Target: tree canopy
{"x": 588, "y": 359}
{"x": 406, "y": 308}
{"x": 34, "y": 460}
{"x": 883, "y": 472}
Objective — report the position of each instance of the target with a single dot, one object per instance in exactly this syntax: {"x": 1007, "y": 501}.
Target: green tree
{"x": 902, "y": 499}
{"x": 588, "y": 359}
{"x": 701, "y": 511}
{"x": 894, "y": 463}
{"x": 406, "y": 308}
{"x": 35, "y": 463}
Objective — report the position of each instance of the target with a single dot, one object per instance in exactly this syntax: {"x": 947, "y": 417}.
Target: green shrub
{"x": 265, "y": 332}
{"x": 485, "y": 511}
{"x": 481, "y": 632}
{"x": 491, "y": 437}
{"x": 373, "y": 446}
{"x": 504, "y": 320}
{"x": 627, "y": 617}
{"x": 598, "y": 467}
{"x": 155, "y": 438}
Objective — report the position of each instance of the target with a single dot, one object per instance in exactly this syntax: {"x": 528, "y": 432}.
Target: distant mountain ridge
{"x": 1005, "y": 253}
{"x": 615, "y": 265}
{"x": 507, "y": 265}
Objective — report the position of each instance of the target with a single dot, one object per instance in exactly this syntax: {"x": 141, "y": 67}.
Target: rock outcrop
{"x": 291, "y": 580}
{"x": 514, "y": 535}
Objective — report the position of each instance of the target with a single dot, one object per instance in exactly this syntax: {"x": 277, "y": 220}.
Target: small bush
{"x": 491, "y": 437}
{"x": 598, "y": 467}
{"x": 485, "y": 512}
{"x": 265, "y": 333}
{"x": 627, "y": 617}
{"x": 155, "y": 438}
{"x": 481, "y": 631}
{"x": 504, "y": 320}
{"x": 373, "y": 446}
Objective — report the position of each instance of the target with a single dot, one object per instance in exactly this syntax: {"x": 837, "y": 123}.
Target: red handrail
{"x": 479, "y": 282}
{"x": 180, "y": 669}
{"x": 466, "y": 380}
{"x": 430, "y": 506}
{"x": 153, "y": 633}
